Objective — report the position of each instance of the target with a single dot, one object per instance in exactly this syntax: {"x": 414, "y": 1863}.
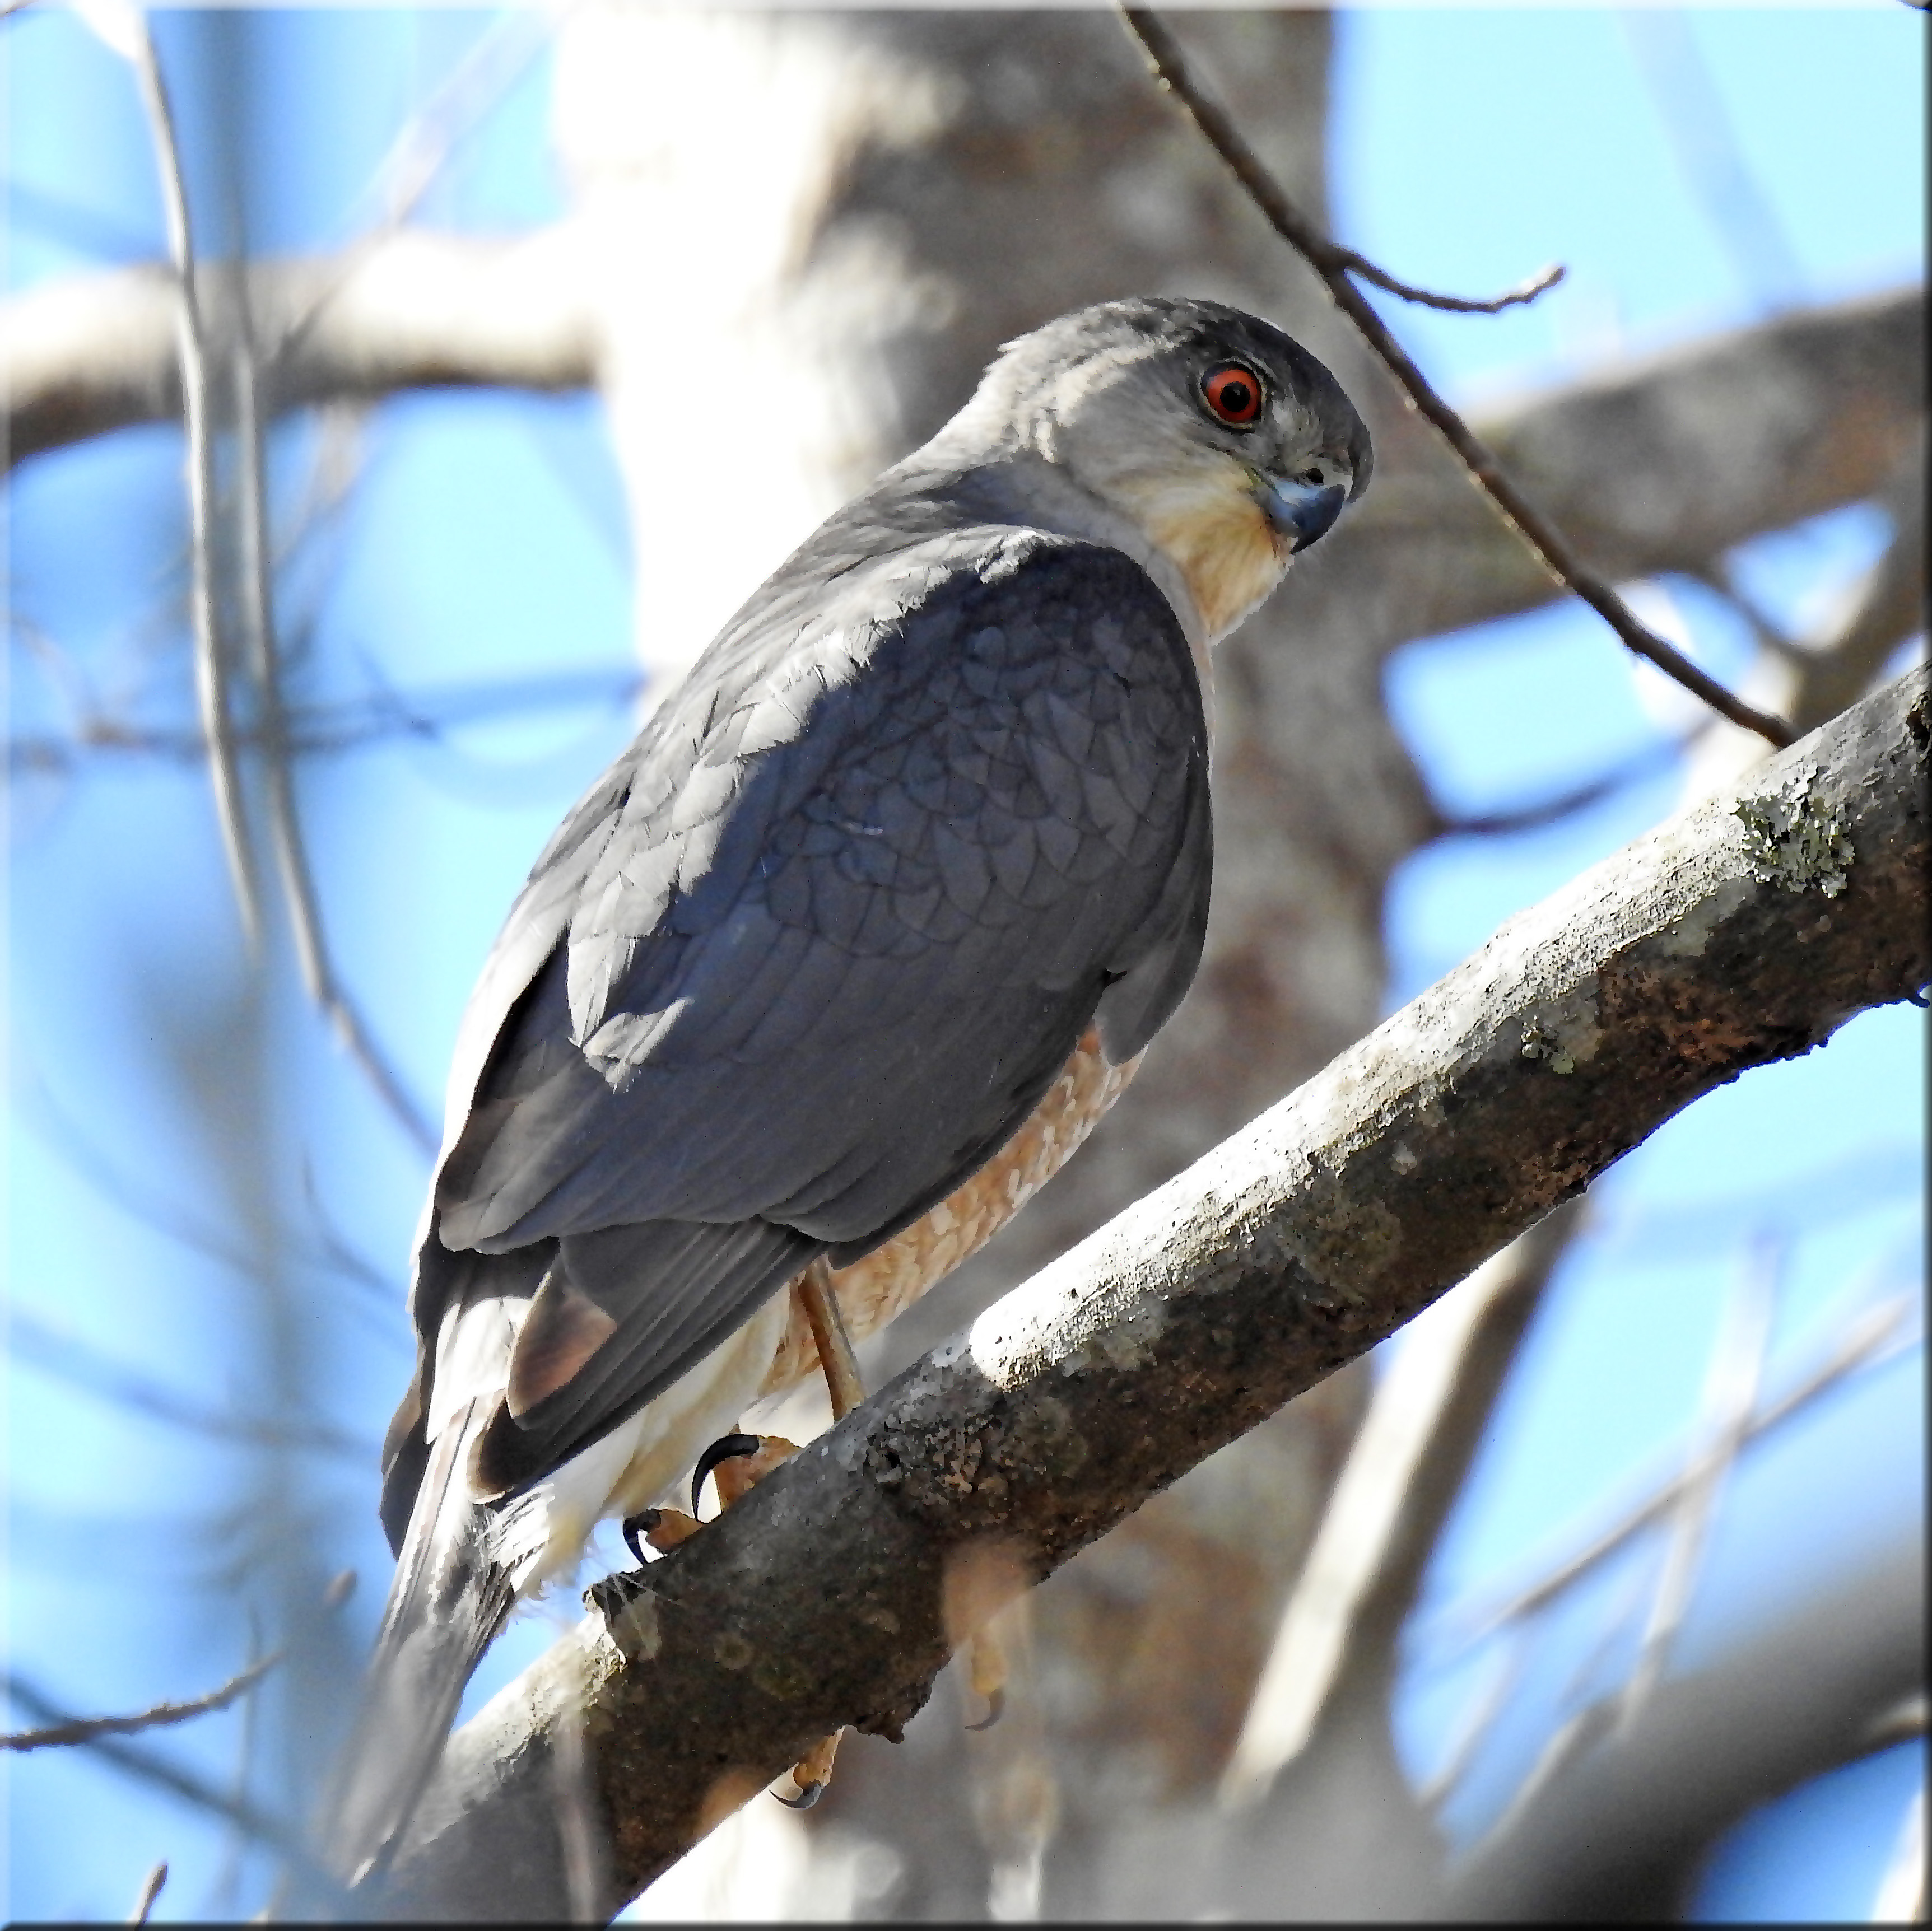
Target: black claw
{"x": 636, "y": 1528}
{"x": 612, "y": 1595}
{"x": 808, "y": 1793}
{"x": 726, "y": 1448}
{"x": 996, "y": 1708}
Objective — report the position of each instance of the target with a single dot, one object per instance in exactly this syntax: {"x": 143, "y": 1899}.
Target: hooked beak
{"x": 1302, "y": 512}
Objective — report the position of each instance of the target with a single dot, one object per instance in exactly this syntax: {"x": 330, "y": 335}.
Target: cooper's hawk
{"x": 840, "y": 959}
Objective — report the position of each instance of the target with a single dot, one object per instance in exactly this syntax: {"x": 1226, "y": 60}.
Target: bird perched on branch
{"x": 837, "y": 962}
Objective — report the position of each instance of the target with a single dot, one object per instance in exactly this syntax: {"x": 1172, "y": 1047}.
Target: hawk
{"x": 837, "y": 962}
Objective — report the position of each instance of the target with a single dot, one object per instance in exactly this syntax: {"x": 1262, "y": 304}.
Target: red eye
{"x": 1233, "y": 392}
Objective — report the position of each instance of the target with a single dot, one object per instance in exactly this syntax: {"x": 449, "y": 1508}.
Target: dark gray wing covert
{"x": 866, "y": 884}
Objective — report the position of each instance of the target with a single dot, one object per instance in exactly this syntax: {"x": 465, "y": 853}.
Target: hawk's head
{"x": 1227, "y": 444}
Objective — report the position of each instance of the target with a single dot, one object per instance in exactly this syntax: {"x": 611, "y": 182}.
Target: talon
{"x": 723, "y": 1449}
{"x": 996, "y": 1708}
{"x": 812, "y": 1772}
{"x": 986, "y": 1670}
{"x": 611, "y": 1596}
{"x": 672, "y": 1527}
{"x": 743, "y": 1473}
{"x": 637, "y": 1525}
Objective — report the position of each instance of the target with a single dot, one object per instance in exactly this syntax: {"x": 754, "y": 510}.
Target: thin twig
{"x": 1709, "y": 154}
{"x": 151, "y": 1889}
{"x": 311, "y": 730}
{"x": 1869, "y": 1339}
{"x": 1539, "y": 283}
{"x": 1730, "y": 1395}
{"x": 150, "y": 1206}
{"x": 235, "y": 1847}
{"x": 1472, "y": 1726}
{"x": 489, "y": 68}
{"x": 210, "y": 667}
{"x": 1514, "y": 820}
{"x": 135, "y": 1761}
{"x": 82, "y": 1366}
{"x": 255, "y": 607}
{"x": 1566, "y": 1737}
{"x": 1334, "y": 265}
{"x": 158, "y": 1716}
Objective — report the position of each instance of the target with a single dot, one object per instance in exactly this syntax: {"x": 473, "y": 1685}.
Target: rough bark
{"x": 1743, "y": 932}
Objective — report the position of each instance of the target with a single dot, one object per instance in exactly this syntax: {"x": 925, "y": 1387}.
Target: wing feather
{"x": 816, "y": 947}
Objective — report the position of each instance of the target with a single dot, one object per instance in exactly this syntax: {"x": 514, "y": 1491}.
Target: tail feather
{"x": 450, "y": 1597}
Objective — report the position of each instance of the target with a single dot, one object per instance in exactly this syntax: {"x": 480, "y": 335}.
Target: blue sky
{"x": 486, "y": 541}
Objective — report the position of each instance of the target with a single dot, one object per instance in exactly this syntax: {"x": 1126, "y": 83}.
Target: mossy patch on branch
{"x": 1795, "y": 839}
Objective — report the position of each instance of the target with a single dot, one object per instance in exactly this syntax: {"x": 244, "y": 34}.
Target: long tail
{"x": 450, "y": 1597}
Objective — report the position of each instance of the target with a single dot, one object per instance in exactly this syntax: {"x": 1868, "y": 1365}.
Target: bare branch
{"x": 1717, "y": 942}
{"x": 1333, "y": 265}
{"x": 82, "y": 1367}
{"x": 157, "y": 1716}
{"x": 255, "y": 601}
{"x": 1730, "y": 1394}
{"x": 1876, "y": 1336}
{"x": 1509, "y": 821}
{"x": 127, "y": 1190}
{"x": 1657, "y": 467}
{"x": 325, "y": 729}
{"x": 1888, "y": 604}
{"x": 211, "y": 670}
{"x": 1618, "y": 1832}
{"x": 1708, "y": 154}
{"x": 1539, "y": 283}
{"x": 134, "y": 1761}
{"x": 414, "y": 310}
{"x": 151, "y": 1889}
{"x": 494, "y": 61}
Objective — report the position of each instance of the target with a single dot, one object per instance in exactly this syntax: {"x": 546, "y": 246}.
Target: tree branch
{"x": 1334, "y": 265}
{"x": 1524, "y": 292}
{"x": 132, "y": 1760}
{"x": 1660, "y": 466}
{"x": 1744, "y": 931}
{"x": 192, "y": 366}
{"x": 151, "y": 1889}
{"x": 158, "y": 1716}
{"x": 1872, "y": 1337}
{"x": 1620, "y": 1833}
{"x": 407, "y": 310}
{"x": 255, "y": 609}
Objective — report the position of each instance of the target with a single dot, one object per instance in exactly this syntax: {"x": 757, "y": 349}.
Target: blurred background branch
{"x": 86, "y": 1729}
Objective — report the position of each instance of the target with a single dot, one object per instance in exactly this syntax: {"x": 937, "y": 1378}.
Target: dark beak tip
{"x": 1302, "y": 514}
{"x": 1316, "y": 517}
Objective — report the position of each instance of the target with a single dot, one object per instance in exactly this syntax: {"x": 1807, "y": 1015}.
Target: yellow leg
{"x": 665, "y": 1528}
{"x": 813, "y": 1291}
{"x": 986, "y": 1665}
